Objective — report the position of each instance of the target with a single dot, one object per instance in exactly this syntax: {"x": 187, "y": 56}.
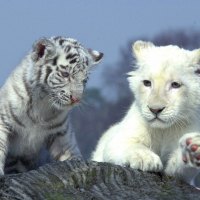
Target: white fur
{"x": 142, "y": 141}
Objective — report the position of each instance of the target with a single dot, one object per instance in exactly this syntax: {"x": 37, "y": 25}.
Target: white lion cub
{"x": 161, "y": 130}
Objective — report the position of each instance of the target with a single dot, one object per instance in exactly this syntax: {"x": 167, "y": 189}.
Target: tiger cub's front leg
{"x": 63, "y": 145}
{"x": 3, "y": 147}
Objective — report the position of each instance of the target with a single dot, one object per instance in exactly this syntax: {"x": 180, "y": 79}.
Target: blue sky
{"x": 104, "y": 25}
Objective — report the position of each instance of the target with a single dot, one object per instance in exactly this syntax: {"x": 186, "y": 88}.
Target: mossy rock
{"x": 78, "y": 179}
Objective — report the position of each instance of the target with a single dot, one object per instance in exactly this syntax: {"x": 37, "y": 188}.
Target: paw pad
{"x": 184, "y": 158}
{"x": 190, "y": 146}
{"x": 188, "y": 141}
{"x": 194, "y": 147}
{"x": 198, "y": 157}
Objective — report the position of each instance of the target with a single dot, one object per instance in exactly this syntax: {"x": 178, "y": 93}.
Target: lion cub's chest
{"x": 165, "y": 142}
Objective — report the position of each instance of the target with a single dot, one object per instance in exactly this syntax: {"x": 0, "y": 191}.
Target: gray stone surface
{"x": 90, "y": 180}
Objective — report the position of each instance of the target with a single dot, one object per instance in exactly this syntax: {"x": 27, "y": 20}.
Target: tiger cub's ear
{"x": 43, "y": 49}
{"x": 96, "y": 56}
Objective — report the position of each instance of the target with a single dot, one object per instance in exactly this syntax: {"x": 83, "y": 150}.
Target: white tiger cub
{"x": 36, "y": 99}
{"x": 161, "y": 130}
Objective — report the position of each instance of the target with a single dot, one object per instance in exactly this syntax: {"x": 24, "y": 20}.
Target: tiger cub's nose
{"x": 74, "y": 99}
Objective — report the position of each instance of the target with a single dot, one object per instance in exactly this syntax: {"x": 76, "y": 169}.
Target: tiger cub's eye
{"x": 65, "y": 74}
{"x": 197, "y": 72}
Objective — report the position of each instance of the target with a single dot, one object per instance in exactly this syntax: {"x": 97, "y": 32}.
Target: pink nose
{"x": 74, "y": 99}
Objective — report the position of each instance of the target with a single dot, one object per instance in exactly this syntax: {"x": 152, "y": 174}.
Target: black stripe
{"x": 29, "y": 108}
{"x": 67, "y": 48}
{"x": 3, "y": 147}
{"x": 51, "y": 138}
{"x": 26, "y": 86}
{"x": 70, "y": 56}
{"x": 61, "y": 41}
{"x": 43, "y": 90}
{"x": 8, "y": 128}
{"x": 53, "y": 117}
{"x": 50, "y": 141}
{"x": 73, "y": 61}
{"x": 64, "y": 67}
{"x": 55, "y": 61}
{"x": 2, "y": 143}
{"x": 58, "y": 74}
{"x": 67, "y": 126}
{"x": 57, "y": 38}
{"x": 15, "y": 117}
{"x": 5, "y": 124}
{"x": 30, "y": 101}
{"x": 4, "y": 151}
{"x": 58, "y": 79}
{"x": 39, "y": 74}
{"x": 56, "y": 84}
{"x": 48, "y": 71}
{"x": 59, "y": 124}
{"x": 11, "y": 162}
{"x": 61, "y": 133}
{"x": 16, "y": 90}
{"x": 87, "y": 61}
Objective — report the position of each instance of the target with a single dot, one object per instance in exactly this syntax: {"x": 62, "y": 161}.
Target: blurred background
{"x": 109, "y": 26}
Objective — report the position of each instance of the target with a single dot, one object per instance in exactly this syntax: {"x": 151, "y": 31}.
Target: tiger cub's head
{"x": 61, "y": 67}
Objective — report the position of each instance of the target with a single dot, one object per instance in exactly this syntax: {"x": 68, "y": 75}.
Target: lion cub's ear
{"x": 196, "y": 54}
{"x": 139, "y": 46}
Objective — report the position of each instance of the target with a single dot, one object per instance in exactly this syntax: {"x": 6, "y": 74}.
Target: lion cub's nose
{"x": 156, "y": 111}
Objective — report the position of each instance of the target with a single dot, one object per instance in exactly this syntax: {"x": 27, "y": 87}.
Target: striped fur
{"x": 36, "y": 99}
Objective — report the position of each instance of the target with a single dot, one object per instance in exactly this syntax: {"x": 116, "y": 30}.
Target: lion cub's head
{"x": 166, "y": 84}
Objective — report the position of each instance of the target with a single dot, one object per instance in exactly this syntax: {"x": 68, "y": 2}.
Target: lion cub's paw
{"x": 190, "y": 146}
{"x": 146, "y": 160}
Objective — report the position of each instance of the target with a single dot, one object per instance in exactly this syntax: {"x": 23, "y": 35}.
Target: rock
{"x": 77, "y": 179}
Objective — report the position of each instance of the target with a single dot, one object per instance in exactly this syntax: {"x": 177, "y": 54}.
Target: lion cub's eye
{"x": 147, "y": 83}
{"x": 175, "y": 85}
